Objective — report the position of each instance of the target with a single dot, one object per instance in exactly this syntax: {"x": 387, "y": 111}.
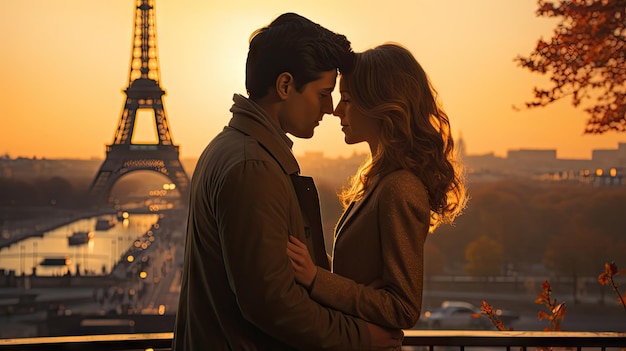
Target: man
{"x": 238, "y": 289}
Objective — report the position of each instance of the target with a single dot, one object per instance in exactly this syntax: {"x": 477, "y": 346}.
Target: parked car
{"x": 461, "y": 315}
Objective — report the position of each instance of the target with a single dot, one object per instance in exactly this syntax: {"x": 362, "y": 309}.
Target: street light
{"x": 22, "y": 253}
{"x": 112, "y": 254}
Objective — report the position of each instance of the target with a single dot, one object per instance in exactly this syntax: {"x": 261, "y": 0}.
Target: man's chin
{"x": 303, "y": 135}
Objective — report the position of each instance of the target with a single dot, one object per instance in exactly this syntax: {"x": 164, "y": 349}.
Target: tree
{"x": 484, "y": 257}
{"x": 586, "y": 59}
{"x": 56, "y": 190}
{"x": 434, "y": 259}
{"x": 578, "y": 250}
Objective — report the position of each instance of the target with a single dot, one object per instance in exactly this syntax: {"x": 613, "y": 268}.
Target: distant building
{"x": 610, "y": 156}
{"x": 460, "y": 146}
{"x": 532, "y": 155}
{"x": 605, "y": 168}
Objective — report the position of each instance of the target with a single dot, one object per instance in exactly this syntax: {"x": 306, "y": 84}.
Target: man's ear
{"x": 284, "y": 82}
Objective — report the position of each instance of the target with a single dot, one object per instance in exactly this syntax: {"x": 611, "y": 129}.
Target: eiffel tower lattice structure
{"x": 143, "y": 94}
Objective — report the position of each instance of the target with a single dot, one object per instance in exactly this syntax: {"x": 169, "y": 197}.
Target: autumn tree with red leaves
{"x": 586, "y": 60}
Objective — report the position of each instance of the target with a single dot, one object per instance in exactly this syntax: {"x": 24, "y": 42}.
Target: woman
{"x": 409, "y": 184}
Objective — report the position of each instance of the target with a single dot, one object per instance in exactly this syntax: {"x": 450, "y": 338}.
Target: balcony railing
{"x": 413, "y": 340}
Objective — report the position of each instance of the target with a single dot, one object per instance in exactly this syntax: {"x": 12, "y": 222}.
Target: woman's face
{"x": 356, "y": 126}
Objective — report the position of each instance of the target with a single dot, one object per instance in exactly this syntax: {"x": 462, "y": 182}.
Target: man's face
{"x": 304, "y": 110}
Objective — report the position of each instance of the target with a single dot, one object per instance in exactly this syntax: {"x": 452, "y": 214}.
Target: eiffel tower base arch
{"x": 122, "y": 160}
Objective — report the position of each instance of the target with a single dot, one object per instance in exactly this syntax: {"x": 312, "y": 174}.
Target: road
{"x": 587, "y": 315}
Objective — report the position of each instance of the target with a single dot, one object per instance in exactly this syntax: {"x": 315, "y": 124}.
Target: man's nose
{"x": 327, "y": 107}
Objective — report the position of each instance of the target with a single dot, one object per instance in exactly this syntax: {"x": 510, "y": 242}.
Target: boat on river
{"x": 79, "y": 238}
{"x": 105, "y": 223}
{"x": 55, "y": 261}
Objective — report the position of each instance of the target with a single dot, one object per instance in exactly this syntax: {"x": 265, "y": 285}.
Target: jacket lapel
{"x": 342, "y": 219}
{"x": 310, "y": 207}
{"x": 353, "y": 209}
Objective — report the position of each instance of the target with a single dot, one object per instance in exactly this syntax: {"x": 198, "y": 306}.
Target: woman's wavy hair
{"x": 389, "y": 85}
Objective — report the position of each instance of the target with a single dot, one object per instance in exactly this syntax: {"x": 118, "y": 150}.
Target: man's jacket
{"x": 238, "y": 290}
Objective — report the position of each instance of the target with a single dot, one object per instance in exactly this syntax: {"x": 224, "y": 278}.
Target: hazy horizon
{"x": 311, "y": 152}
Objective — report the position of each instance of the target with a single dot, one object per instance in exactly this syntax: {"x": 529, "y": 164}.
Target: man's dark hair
{"x": 294, "y": 44}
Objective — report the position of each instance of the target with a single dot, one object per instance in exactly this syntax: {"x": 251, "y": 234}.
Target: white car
{"x": 454, "y": 315}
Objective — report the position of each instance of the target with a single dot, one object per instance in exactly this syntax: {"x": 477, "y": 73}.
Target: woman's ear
{"x": 284, "y": 82}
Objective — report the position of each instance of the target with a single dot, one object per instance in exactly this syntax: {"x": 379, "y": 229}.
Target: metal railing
{"x": 413, "y": 340}
{"x": 507, "y": 340}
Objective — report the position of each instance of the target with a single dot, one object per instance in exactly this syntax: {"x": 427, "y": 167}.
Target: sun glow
{"x": 202, "y": 47}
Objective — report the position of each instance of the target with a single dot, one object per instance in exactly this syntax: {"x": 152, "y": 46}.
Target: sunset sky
{"x": 65, "y": 63}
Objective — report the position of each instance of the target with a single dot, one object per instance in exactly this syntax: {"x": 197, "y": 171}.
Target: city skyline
{"x": 64, "y": 71}
{"x": 315, "y": 153}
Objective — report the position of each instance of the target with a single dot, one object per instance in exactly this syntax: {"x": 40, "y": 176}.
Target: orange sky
{"x": 64, "y": 64}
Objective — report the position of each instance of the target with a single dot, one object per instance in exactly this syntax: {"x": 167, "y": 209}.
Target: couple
{"x": 256, "y": 275}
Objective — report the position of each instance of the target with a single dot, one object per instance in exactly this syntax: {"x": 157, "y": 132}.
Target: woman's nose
{"x": 338, "y": 110}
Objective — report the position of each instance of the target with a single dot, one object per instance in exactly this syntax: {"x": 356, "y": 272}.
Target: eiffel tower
{"x": 143, "y": 94}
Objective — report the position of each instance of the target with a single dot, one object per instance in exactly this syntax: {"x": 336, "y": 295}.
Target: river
{"x": 96, "y": 257}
